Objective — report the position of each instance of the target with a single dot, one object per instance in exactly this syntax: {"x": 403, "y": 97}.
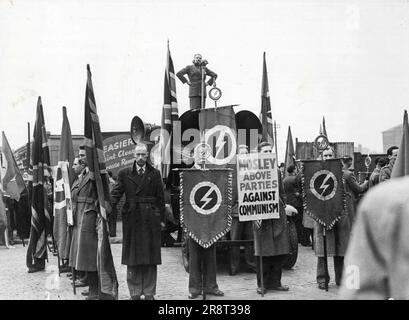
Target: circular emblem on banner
{"x": 221, "y": 136}
{"x": 321, "y": 142}
{"x": 204, "y": 150}
{"x": 205, "y": 197}
{"x": 323, "y": 185}
{"x": 215, "y": 93}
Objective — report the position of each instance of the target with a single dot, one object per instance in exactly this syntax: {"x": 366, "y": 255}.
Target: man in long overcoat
{"x": 84, "y": 244}
{"x": 271, "y": 241}
{"x": 194, "y": 73}
{"x": 142, "y": 218}
{"x": 338, "y": 237}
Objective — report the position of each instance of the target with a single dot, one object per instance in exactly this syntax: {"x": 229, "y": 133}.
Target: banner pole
{"x": 73, "y": 280}
{"x": 325, "y": 259}
{"x": 261, "y": 265}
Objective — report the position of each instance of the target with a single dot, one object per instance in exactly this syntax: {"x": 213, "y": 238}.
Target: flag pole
{"x": 275, "y": 139}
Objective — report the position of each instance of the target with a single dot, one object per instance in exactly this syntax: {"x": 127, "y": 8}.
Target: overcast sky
{"x": 345, "y": 60}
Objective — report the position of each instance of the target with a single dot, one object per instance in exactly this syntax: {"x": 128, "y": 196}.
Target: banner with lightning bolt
{"x": 205, "y": 204}
{"x": 218, "y": 125}
{"x": 323, "y": 190}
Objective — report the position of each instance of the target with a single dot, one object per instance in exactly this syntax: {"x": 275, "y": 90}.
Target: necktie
{"x": 258, "y": 223}
{"x": 140, "y": 172}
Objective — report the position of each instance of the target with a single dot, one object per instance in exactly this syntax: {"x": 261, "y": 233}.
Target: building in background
{"x": 392, "y": 137}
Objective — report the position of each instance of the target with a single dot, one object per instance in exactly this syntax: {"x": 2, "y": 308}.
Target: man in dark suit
{"x": 194, "y": 73}
{"x": 142, "y": 219}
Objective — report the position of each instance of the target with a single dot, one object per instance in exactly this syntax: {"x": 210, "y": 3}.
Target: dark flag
{"x": 323, "y": 191}
{"x": 13, "y": 182}
{"x": 323, "y": 129}
{"x": 401, "y": 166}
{"x": 289, "y": 152}
{"x": 96, "y": 164}
{"x": 219, "y": 128}
{"x": 205, "y": 204}
{"x": 170, "y": 114}
{"x": 62, "y": 190}
{"x": 40, "y": 218}
{"x": 3, "y": 221}
{"x": 265, "y": 115}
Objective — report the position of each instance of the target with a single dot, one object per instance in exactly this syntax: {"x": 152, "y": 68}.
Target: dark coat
{"x": 85, "y": 208}
{"x": 141, "y": 215}
{"x": 338, "y": 236}
{"x": 293, "y": 191}
{"x": 195, "y": 75}
{"x": 271, "y": 239}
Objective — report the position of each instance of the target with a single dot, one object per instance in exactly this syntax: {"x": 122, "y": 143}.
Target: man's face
{"x": 197, "y": 59}
{"x": 266, "y": 149}
{"x": 141, "y": 155}
{"x": 394, "y": 153}
{"x": 327, "y": 154}
{"x": 76, "y": 166}
{"x": 243, "y": 150}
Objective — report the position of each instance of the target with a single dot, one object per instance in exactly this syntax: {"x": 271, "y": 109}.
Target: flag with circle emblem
{"x": 206, "y": 202}
{"x": 323, "y": 190}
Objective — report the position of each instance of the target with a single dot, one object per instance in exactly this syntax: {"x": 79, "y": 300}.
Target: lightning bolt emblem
{"x": 324, "y": 184}
{"x": 206, "y": 198}
{"x": 220, "y": 143}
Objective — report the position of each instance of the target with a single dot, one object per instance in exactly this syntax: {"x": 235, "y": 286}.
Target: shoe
{"x": 85, "y": 293}
{"x": 216, "y": 293}
{"x": 233, "y": 272}
{"x": 193, "y": 295}
{"x": 69, "y": 275}
{"x": 35, "y": 269}
{"x": 93, "y": 297}
{"x": 136, "y": 297}
{"x": 280, "y": 288}
{"x": 80, "y": 283}
{"x": 261, "y": 291}
{"x": 148, "y": 297}
{"x": 322, "y": 286}
{"x": 65, "y": 269}
{"x": 338, "y": 283}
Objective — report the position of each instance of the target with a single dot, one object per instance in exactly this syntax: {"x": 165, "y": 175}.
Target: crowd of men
{"x": 143, "y": 217}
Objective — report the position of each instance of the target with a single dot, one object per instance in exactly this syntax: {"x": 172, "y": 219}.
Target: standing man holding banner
{"x": 271, "y": 242}
{"x": 241, "y": 231}
{"x": 202, "y": 260}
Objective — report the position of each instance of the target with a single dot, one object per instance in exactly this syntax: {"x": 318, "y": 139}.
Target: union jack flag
{"x": 266, "y": 116}
{"x": 40, "y": 219}
{"x": 96, "y": 165}
{"x": 170, "y": 114}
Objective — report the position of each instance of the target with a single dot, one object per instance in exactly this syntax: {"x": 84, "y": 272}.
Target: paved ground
{"x": 16, "y": 283}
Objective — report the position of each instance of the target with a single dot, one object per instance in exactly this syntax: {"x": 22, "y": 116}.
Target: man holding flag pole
{"x": 92, "y": 203}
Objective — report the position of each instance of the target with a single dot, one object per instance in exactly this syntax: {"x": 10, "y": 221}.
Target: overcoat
{"x": 142, "y": 214}
{"x": 85, "y": 208}
{"x": 195, "y": 76}
{"x": 272, "y": 239}
{"x": 338, "y": 237}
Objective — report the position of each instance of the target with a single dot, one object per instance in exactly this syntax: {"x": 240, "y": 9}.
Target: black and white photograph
{"x": 220, "y": 152}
